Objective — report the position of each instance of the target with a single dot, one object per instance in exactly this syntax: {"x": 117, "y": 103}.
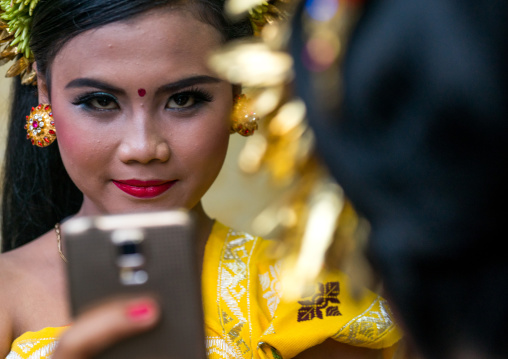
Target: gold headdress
{"x": 15, "y": 25}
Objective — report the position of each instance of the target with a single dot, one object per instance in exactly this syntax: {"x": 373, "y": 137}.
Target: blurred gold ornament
{"x": 276, "y": 36}
{"x": 290, "y": 142}
{"x": 252, "y": 64}
{"x": 260, "y": 12}
{"x": 304, "y": 265}
{"x": 317, "y": 225}
{"x": 264, "y": 14}
{"x": 251, "y": 156}
{"x": 237, "y": 8}
{"x": 267, "y": 100}
{"x": 243, "y": 120}
{"x": 290, "y": 117}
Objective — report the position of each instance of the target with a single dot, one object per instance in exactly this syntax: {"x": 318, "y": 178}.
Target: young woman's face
{"x": 142, "y": 123}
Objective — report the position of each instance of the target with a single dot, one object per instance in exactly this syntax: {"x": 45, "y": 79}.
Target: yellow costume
{"x": 245, "y": 317}
{"x": 36, "y": 345}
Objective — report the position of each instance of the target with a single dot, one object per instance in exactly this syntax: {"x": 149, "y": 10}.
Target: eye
{"x": 103, "y": 103}
{"x": 182, "y": 100}
{"x": 97, "y": 101}
{"x": 188, "y": 99}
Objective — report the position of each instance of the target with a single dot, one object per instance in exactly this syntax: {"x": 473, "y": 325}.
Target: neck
{"x": 204, "y": 226}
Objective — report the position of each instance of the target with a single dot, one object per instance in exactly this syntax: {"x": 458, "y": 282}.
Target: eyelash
{"x": 86, "y": 99}
{"x": 199, "y": 96}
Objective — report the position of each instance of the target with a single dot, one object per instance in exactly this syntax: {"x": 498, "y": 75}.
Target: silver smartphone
{"x": 131, "y": 254}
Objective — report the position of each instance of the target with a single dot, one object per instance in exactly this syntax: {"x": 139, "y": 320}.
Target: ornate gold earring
{"x": 40, "y": 127}
{"x": 243, "y": 121}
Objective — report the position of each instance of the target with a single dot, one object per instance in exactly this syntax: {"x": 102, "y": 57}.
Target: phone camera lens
{"x": 130, "y": 258}
{"x": 127, "y": 248}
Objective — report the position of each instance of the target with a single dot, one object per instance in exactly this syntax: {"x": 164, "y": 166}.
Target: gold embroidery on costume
{"x": 374, "y": 323}
{"x": 243, "y": 346}
{"x": 235, "y": 332}
{"x": 28, "y": 345}
{"x": 327, "y": 293}
{"x": 226, "y": 318}
{"x": 271, "y": 287}
{"x": 218, "y": 346}
{"x": 272, "y": 291}
{"x": 269, "y": 330}
{"x": 232, "y": 288}
{"x": 34, "y": 349}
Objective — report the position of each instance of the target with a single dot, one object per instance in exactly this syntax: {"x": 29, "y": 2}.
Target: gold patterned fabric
{"x": 36, "y": 345}
{"x": 245, "y": 316}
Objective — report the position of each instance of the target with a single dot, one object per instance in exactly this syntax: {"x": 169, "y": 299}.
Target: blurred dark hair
{"x": 37, "y": 190}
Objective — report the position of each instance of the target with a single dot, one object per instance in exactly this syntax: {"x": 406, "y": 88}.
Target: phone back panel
{"x": 170, "y": 274}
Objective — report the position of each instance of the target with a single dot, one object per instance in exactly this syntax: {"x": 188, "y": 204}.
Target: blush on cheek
{"x": 77, "y": 143}
{"x": 68, "y": 136}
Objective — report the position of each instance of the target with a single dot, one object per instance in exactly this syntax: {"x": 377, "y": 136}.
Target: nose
{"x": 143, "y": 141}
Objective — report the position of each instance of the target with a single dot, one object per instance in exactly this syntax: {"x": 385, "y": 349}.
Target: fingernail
{"x": 140, "y": 311}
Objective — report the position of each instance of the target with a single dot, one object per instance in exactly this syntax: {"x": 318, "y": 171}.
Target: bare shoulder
{"x": 331, "y": 349}
{"x": 8, "y": 279}
{"x": 21, "y": 262}
{"x": 20, "y": 271}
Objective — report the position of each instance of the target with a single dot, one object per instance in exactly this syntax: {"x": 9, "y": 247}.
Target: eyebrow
{"x": 171, "y": 87}
{"x": 187, "y": 82}
{"x": 87, "y": 82}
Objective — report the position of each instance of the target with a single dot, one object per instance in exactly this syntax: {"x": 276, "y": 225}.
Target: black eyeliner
{"x": 85, "y": 99}
{"x": 198, "y": 93}
{"x": 80, "y": 99}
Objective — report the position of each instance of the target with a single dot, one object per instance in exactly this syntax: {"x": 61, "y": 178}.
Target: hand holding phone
{"x": 106, "y": 325}
{"x": 123, "y": 256}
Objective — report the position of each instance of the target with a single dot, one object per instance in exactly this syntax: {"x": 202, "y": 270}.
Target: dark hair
{"x": 37, "y": 191}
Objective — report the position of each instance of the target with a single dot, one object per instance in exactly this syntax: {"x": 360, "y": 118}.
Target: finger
{"x": 105, "y": 325}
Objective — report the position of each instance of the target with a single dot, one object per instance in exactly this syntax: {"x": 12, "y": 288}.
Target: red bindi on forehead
{"x": 141, "y": 92}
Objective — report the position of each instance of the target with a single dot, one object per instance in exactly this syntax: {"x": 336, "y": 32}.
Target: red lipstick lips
{"x": 144, "y": 189}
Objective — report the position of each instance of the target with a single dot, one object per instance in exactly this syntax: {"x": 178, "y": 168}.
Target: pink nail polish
{"x": 140, "y": 311}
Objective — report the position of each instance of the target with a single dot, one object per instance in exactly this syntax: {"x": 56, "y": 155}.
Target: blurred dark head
{"x": 418, "y": 141}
